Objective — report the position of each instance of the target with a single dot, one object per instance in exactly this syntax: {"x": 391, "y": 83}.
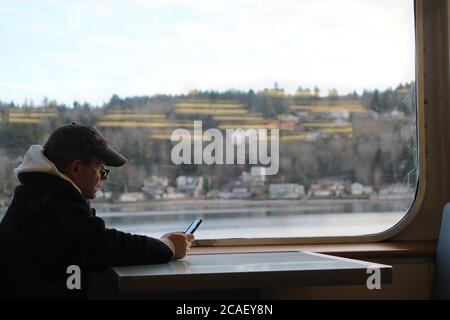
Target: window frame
{"x": 416, "y": 206}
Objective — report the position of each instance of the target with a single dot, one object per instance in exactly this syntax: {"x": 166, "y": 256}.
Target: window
{"x": 325, "y": 88}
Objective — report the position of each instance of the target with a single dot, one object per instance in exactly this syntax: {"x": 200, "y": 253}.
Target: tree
{"x": 375, "y": 104}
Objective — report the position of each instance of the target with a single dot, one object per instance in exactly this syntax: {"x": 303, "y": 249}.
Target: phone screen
{"x": 194, "y": 225}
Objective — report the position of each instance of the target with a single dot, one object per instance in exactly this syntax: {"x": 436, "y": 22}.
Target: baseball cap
{"x": 71, "y": 141}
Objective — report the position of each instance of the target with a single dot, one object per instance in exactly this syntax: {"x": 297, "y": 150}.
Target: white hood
{"x": 35, "y": 161}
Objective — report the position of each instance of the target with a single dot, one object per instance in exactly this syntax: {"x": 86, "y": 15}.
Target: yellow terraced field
{"x": 159, "y": 124}
{"x": 131, "y": 116}
{"x": 209, "y": 105}
{"x": 345, "y": 130}
{"x": 337, "y": 106}
{"x": 24, "y": 120}
{"x": 32, "y": 114}
{"x": 247, "y": 126}
{"x": 329, "y": 124}
{"x": 239, "y": 118}
{"x": 210, "y": 111}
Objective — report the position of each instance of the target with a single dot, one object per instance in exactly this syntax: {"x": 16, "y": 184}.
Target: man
{"x": 50, "y": 225}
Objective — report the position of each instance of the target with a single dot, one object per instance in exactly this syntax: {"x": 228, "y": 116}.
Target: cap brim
{"x": 111, "y": 157}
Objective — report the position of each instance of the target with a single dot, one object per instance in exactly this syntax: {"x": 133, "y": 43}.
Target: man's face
{"x": 90, "y": 178}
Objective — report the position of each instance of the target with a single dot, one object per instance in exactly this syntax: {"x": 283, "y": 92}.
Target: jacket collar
{"x": 35, "y": 161}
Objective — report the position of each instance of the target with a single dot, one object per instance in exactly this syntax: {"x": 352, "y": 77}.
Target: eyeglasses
{"x": 103, "y": 173}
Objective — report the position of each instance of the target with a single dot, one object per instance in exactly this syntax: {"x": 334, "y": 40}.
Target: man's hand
{"x": 181, "y": 242}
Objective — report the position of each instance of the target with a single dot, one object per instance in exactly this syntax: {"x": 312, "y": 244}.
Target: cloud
{"x": 169, "y": 46}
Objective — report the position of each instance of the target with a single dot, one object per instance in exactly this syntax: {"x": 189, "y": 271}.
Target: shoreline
{"x": 236, "y": 206}
{"x": 102, "y": 204}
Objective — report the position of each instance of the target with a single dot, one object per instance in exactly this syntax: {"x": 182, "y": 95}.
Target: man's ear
{"x": 73, "y": 169}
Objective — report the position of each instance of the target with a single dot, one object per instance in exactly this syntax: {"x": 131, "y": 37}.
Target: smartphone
{"x": 194, "y": 225}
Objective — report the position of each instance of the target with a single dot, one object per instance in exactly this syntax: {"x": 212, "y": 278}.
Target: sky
{"x": 89, "y": 50}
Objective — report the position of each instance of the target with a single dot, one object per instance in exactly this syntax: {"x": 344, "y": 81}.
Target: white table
{"x": 240, "y": 271}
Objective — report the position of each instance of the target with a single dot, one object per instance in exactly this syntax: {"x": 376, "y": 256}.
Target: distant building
{"x": 155, "y": 186}
{"x": 131, "y": 197}
{"x": 358, "y": 189}
{"x": 396, "y": 189}
{"x": 191, "y": 185}
{"x": 101, "y": 195}
{"x": 337, "y": 189}
{"x": 241, "y": 192}
{"x": 225, "y": 195}
{"x": 319, "y": 190}
{"x": 213, "y": 194}
{"x": 286, "y": 191}
{"x": 236, "y": 190}
{"x": 174, "y": 196}
{"x": 255, "y": 178}
{"x": 327, "y": 189}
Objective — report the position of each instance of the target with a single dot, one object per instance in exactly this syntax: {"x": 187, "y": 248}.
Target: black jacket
{"x": 50, "y": 226}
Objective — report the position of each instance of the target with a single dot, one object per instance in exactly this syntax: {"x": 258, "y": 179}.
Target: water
{"x": 257, "y": 219}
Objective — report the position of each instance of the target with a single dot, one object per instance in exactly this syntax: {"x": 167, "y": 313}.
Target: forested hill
{"x": 368, "y": 138}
